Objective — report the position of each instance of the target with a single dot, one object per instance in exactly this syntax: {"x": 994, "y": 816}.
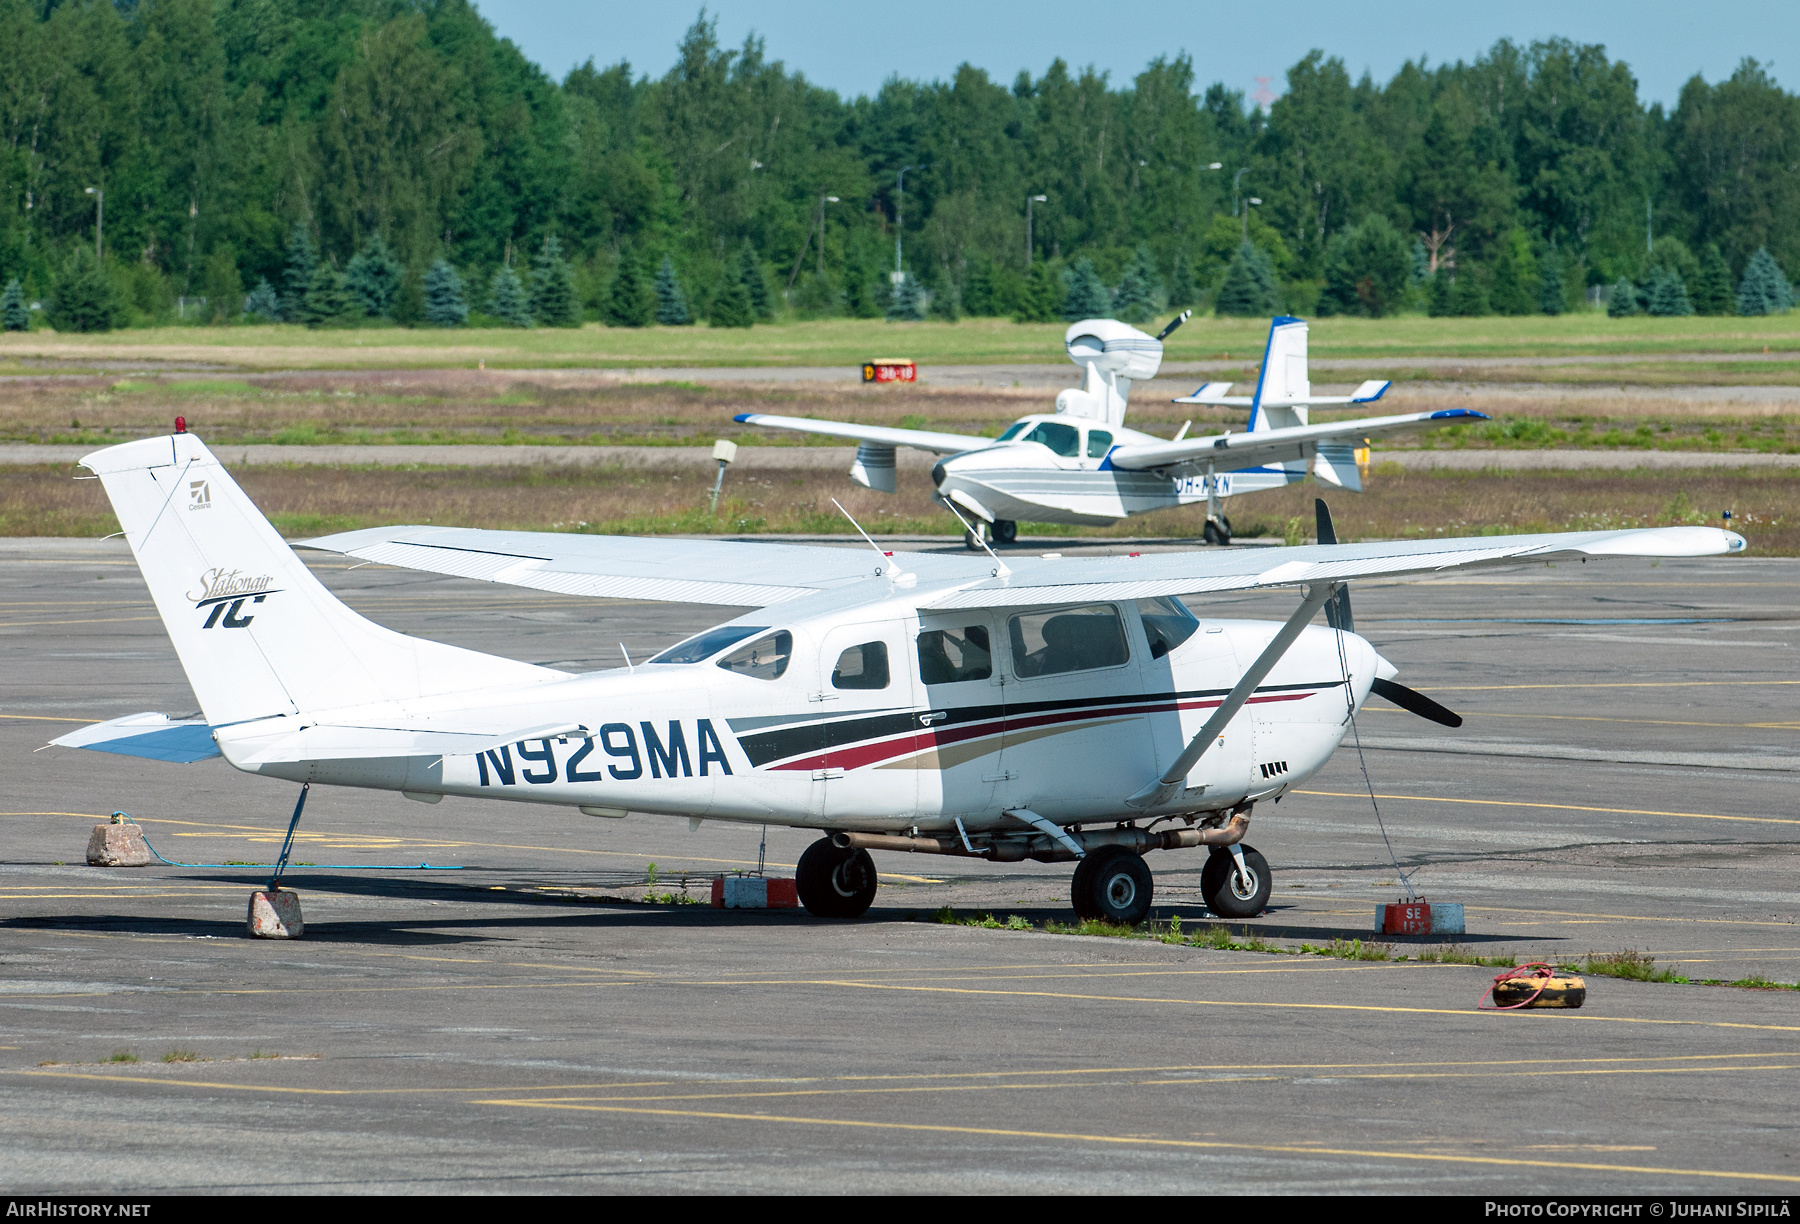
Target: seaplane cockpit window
{"x": 1066, "y": 640}
{"x": 947, "y": 656}
{"x": 1099, "y": 442}
{"x": 1167, "y": 623}
{"x": 1064, "y": 440}
{"x": 764, "y": 659}
{"x": 1013, "y": 431}
{"x": 862, "y": 667}
{"x": 703, "y": 646}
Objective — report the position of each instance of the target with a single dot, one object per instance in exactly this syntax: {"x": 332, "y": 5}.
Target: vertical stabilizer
{"x": 257, "y": 634}
{"x": 1283, "y": 378}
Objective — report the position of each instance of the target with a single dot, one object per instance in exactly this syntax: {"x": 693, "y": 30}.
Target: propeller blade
{"x": 1415, "y": 702}
{"x": 1177, "y": 321}
{"x": 1337, "y": 611}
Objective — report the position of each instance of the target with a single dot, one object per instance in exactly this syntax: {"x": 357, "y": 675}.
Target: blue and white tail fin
{"x": 1282, "y": 389}
{"x": 257, "y": 634}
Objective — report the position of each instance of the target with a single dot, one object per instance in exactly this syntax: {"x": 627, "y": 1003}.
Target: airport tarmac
{"x": 1625, "y": 779}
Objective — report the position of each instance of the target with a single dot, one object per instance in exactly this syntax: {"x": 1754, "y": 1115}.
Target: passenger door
{"x": 863, "y": 692}
{"x": 961, "y": 715}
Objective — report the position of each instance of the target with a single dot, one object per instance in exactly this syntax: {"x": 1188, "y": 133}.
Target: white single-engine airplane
{"x": 1042, "y": 708}
{"x": 1082, "y": 466}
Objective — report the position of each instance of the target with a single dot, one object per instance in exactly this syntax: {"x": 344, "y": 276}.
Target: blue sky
{"x": 852, "y": 47}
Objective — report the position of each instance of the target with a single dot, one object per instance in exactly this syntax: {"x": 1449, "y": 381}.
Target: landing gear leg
{"x": 1235, "y": 882}
{"x": 1218, "y": 527}
{"x": 1112, "y": 885}
{"x": 973, "y": 537}
{"x": 834, "y": 882}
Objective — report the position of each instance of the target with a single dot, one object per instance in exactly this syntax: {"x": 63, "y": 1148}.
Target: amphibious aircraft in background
{"x": 1080, "y": 465}
{"x": 1005, "y": 708}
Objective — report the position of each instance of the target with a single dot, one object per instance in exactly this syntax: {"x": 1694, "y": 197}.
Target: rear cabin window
{"x": 764, "y": 659}
{"x": 1066, "y": 640}
{"x": 862, "y": 667}
{"x": 949, "y": 655}
{"x": 1064, "y": 440}
{"x": 1167, "y": 624}
{"x": 1099, "y": 442}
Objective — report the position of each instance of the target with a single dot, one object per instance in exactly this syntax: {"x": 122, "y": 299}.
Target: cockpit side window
{"x": 1099, "y": 442}
{"x": 862, "y": 667}
{"x": 1064, "y": 440}
{"x": 1167, "y": 624}
{"x": 764, "y": 659}
{"x": 1013, "y": 431}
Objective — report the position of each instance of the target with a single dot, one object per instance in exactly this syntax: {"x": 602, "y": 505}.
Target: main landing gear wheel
{"x": 1005, "y": 531}
{"x": 1227, "y": 894}
{"x": 1113, "y": 885}
{"x": 835, "y": 883}
{"x": 1218, "y": 531}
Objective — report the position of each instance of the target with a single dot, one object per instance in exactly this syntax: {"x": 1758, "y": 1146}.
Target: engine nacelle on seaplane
{"x": 1114, "y": 355}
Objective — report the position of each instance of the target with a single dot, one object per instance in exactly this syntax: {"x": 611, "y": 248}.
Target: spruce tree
{"x": 1711, "y": 290}
{"x": 1183, "y": 291}
{"x": 14, "y": 314}
{"x": 82, "y": 297}
{"x": 905, "y": 303}
{"x": 373, "y": 277}
{"x": 671, "y": 301}
{"x": 978, "y": 288}
{"x": 1512, "y": 292}
{"x": 1622, "y": 303}
{"x": 302, "y": 262}
{"x": 946, "y": 301}
{"x": 1468, "y": 296}
{"x": 506, "y": 298}
{"x": 756, "y": 285}
{"x": 445, "y": 304}
{"x": 731, "y": 308}
{"x": 1134, "y": 301}
{"x": 1086, "y": 295}
{"x": 262, "y": 304}
{"x": 628, "y": 298}
{"x": 1668, "y": 293}
{"x": 1552, "y": 299}
{"x": 1042, "y": 299}
{"x": 1367, "y": 270}
{"x": 553, "y": 302}
{"x": 1438, "y": 299}
{"x": 1764, "y": 290}
{"x": 1249, "y": 285}
{"x": 328, "y": 301}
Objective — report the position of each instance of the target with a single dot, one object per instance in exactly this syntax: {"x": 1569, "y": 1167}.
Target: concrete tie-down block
{"x": 753, "y": 892}
{"x": 117, "y": 845}
{"x": 275, "y": 914}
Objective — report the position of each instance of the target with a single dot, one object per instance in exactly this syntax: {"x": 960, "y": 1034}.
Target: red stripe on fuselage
{"x": 859, "y": 755}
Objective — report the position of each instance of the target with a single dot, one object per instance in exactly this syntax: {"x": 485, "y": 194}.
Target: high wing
{"x": 881, "y": 435}
{"x": 739, "y": 574}
{"x": 1269, "y": 445}
{"x": 1216, "y": 393}
{"x": 1148, "y": 575}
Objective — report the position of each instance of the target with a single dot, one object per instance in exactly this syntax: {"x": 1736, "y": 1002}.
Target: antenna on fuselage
{"x": 890, "y": 567}
{"x": 1000, "y": 570}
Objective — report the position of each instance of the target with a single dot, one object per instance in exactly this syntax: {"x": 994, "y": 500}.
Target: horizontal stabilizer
{"x": 155, "y": 737}
{"x": 324, "y": 742}
{"x": 1214, "y": 393}
{"x": 1370, "y": 391}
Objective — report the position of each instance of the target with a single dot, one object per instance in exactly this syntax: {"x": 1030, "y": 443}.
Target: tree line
{"x": 335, "y": 161}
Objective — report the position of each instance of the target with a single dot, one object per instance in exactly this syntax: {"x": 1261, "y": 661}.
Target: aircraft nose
{"x": 937, "y": 474}
{"x": 1384, "y": 669}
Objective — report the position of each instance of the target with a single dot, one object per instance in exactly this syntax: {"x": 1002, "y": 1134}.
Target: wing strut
{"x": 1166, "y": 788}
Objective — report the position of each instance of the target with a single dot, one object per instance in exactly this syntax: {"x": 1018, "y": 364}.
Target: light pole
{"x": 823, "y": 201}
{"x": 99, "y": 195}
{"x": 899, "y": 220}
{"x": 1247, "y": 204}
{"x": 1029, "y": 200}
{"x": 1234, "y": 189}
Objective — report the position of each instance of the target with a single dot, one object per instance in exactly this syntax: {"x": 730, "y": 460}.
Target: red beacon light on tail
{"x": 180, "y": 424}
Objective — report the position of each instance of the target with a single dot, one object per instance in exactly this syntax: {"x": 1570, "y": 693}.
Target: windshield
{"x": 701, "y": 647}
{"x": 1064, "y": 440}
{"x": 1167, "y": 623}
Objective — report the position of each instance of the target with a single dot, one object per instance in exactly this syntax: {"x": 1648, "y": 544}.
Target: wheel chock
{"x": 117, "y": 845}
{"x": 1420, "y": 917}
{"x": 1536, "y": 985}
{"x": 275, "y": 914}
{"x": 754, "y": 892}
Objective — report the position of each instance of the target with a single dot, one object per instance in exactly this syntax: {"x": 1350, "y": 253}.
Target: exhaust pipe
{"x": 1013, "y": 850}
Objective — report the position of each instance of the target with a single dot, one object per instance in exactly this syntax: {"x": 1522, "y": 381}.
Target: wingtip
{"x": 743, "y": 418}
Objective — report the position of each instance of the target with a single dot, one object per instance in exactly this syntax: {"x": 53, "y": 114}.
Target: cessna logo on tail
{"x": 199, "y": 496}
{"x": 226, "y": 592}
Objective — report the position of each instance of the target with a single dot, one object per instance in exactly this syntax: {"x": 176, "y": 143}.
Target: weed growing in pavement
{"x": 256, "y": 1054}
{"x": 123, "y": 1056}
{"x": 1755, "y": 981}
{"x": 1628, "y": 963}
{"x": 1354, "y": 949}
{"x": 177, "y": 1055}
{"x": 1456, "y": 954}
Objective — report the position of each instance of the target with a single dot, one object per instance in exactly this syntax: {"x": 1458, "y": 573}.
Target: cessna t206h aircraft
{"x": 1041, "y": 708}
{"x": 1080, "y": 465}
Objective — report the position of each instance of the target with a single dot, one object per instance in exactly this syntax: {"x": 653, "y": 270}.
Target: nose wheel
{"x": 1232, "y": 892}
{"x": 1112, "y": 885}
{"x": 835, "y": 883}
